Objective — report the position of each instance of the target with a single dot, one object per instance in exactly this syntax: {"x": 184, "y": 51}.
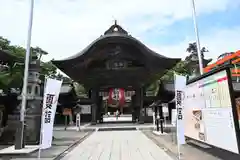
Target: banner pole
{"x": 179, "y": 152}
{"x": 178, "y": 145}
{"x": 40, "y": 143}
{"x": 41, "y": 131}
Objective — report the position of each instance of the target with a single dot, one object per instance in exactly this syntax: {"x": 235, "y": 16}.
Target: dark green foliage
{"x": 13, "y": 76}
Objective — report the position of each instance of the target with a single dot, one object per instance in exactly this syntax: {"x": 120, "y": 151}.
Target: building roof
{"x": 114, "y": 34}
{"x": 77, "y": 66}
{"x": 6, "y": 57}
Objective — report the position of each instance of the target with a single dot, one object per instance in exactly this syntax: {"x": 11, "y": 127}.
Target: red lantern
{"x": 121, "y": 96}
{"x": 116, "y": 95}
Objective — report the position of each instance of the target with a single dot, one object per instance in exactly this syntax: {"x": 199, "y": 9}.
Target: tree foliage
{"x": 180, "y": 68}
{"x": 12, "y": 76}
{"x": 79, "y": 89}
{"x": 192, "y": 49}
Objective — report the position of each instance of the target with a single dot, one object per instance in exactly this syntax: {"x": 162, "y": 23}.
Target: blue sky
{"x": 207, "y": 22}
{"x": 64, "y": 27}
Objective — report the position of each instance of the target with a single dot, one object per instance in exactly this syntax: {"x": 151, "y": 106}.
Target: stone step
{"x": 117, "y": 129}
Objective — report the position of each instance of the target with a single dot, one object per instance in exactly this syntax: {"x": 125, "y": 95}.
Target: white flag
{"x": 180, "y": 84}
{"x": 50, "y": 101}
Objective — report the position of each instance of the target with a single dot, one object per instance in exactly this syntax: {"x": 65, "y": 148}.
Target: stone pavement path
{"x": 117, "y": 145}
{"x": 63, "y": 140}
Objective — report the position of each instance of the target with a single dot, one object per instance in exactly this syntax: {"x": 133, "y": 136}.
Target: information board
{"x": 208, "y": 115}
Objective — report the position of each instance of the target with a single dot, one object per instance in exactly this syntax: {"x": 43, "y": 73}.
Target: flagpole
{"x": 25, "y": 80}
{"x": 197, "y": 37}
{"x": 41, "y": 131}
{"x": 178, "y": 144}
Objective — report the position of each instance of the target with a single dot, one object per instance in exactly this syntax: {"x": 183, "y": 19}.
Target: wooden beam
{"x": 221, "y": 61}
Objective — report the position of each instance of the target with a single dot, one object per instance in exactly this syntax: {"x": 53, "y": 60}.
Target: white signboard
{"x": 149, "y": 111}
{"x": 208, "y": 112}
{"x": 85, "y": 109}
{"x": 165, "y": 110}
{"x": 213, "y": 119}
{"x": 180, "y": 84}
{"x": 50, "y": 100}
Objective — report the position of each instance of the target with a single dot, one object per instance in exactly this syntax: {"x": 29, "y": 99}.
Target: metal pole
{"x": 42, "y": 120}
{"x": 25, "y": 81}
{"x": 197, "y": 37}
{"x": 178, "y": 144}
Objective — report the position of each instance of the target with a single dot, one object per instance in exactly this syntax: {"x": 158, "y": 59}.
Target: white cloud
{"x": 217, "y": 42}
{"x": 64, "y": 27}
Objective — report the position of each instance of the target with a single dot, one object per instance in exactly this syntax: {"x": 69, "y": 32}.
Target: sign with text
{"x": 50, "y": 101}
{"x": 208, "y": 112}
{"x": 180, "y": 84}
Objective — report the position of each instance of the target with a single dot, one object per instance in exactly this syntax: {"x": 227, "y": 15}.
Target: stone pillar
{"x": 133, "y": 105}
{"x": 89, "y": 93}
{"x": 94, "y": 106}
{"x": 141, "y": 107}
{"x": 99, "y": 108}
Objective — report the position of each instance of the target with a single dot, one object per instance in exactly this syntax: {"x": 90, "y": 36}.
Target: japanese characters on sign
{"x": 179, "y": 105}
{"x": 50, "y": 101}
{"x": 180, "y": 84}
{"x": 48, "y": 108}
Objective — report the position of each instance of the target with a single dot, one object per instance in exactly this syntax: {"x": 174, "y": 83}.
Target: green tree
{"x": 180, "y": 68}
{"x": 79, "y": 89}
{"x": 192, "y": 49}
{"x": 12, "y": 77}
{"x": 4, "y": 43}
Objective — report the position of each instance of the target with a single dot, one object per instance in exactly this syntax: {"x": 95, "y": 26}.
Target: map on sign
{"x": 216, "y": 91}
{"x": 208, "y": 110}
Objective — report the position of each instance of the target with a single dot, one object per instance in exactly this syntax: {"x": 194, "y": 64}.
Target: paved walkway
{"x": 117, "y": 145}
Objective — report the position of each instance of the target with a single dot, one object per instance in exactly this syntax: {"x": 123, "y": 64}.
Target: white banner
{"x": 50, "y": 101}
{"x": 180, "y": 84}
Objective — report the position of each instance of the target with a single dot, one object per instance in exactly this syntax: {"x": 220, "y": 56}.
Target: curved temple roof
{"x": 114, "y": 35}
{"x": 7, "y": 57}
{"x": 118, "y": 34}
